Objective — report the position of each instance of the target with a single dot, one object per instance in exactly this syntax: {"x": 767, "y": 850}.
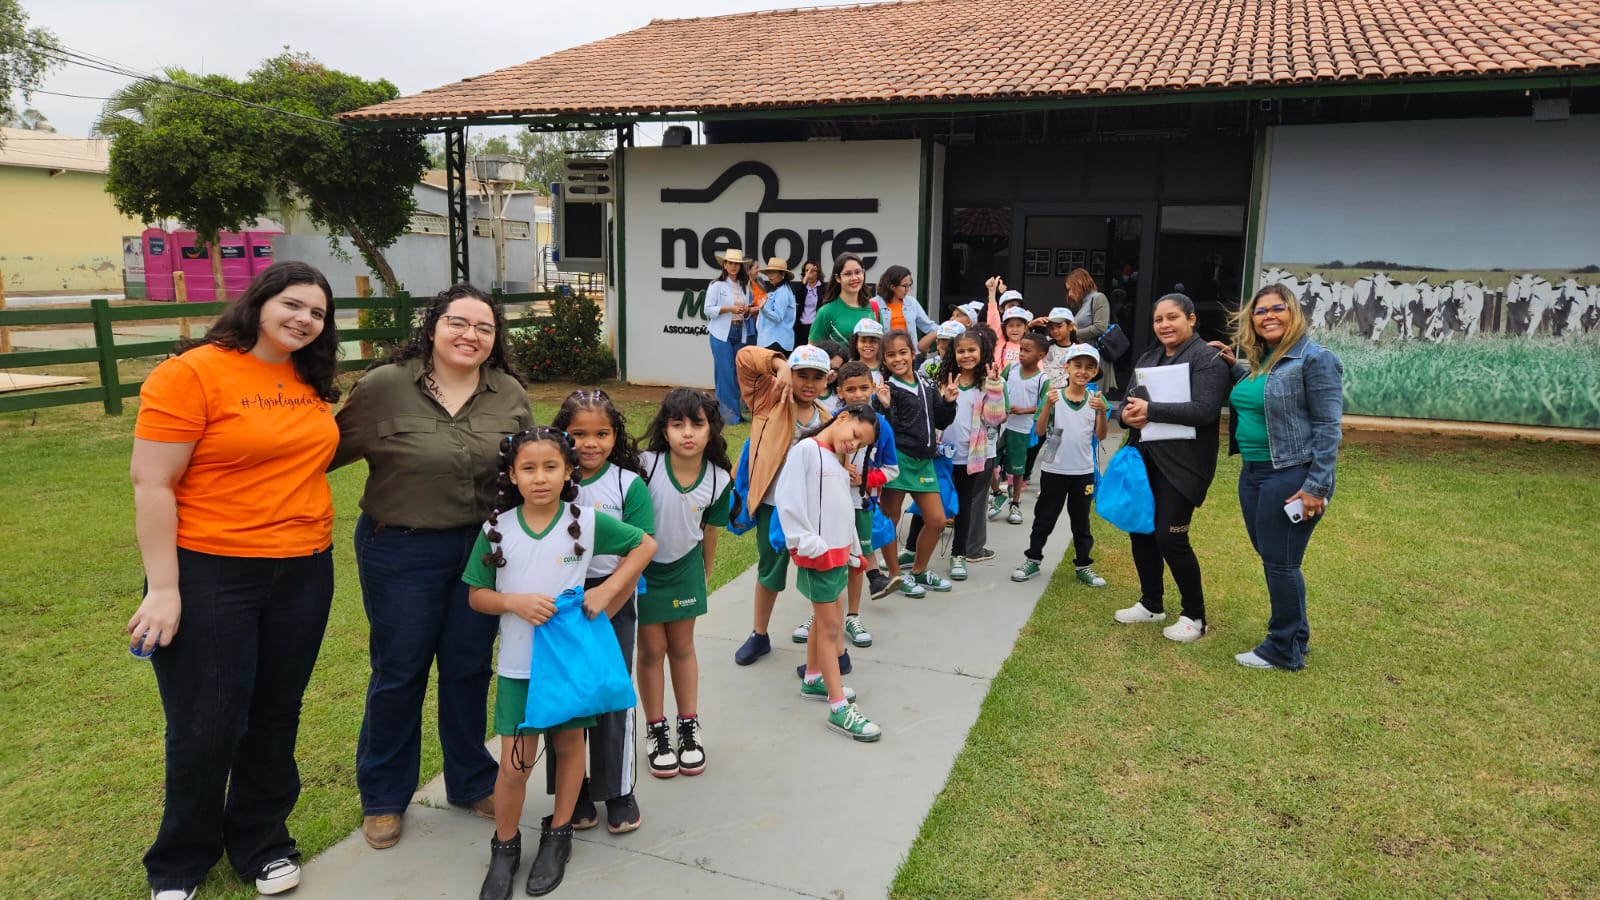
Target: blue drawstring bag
{"x": 741, "y": 516}
{"x": 945, "y": 472}
{"x": 883, "y": 531}
{"x": 577, "y": 668}
{"x": 775, "y": 535}
{"x": 1123, "y": 496}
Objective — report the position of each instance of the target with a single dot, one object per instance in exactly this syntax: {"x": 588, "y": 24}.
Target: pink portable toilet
{"x": 193, "y": 259}
{"x": 259, "y": 244}
{"x": 236, "y": 272}
{"x": 158, "y": 254}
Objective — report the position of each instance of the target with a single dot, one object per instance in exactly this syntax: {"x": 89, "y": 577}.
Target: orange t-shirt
{"x": 897, "y": 317}
{"x": 257, "y": 483}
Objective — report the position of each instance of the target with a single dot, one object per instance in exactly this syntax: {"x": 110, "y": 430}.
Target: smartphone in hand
{"x": 1295, "y": 509}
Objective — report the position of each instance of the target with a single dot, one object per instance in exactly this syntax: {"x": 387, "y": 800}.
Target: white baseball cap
{"x": 806, "y": 356}
{"x": 973, "y": 311}
{"x": 869, "y": 328}
{"x": 1016, "y": 312}
{"x": 1062, "y": 314}
{"x": 951, "y": 330}
{"x": 1009, "y": 296}
{"x": 1077, "y": 350}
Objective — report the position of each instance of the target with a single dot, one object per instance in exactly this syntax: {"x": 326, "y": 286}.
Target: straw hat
{"x": 733, "y": 255}
{"x": 776, "y": 264}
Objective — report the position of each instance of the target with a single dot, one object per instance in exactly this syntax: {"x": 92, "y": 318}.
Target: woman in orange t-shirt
{"x": 235, "y": 524}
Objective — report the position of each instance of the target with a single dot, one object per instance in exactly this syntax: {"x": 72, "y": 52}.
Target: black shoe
{"x": 584, "y": 813}
{"x": 550, "y": 864}
{"x": 504, "y": 858}
{"x": 981, "y": 555}
{"x": 754, "y": 647}
{"x": 880, "y": 584}
{"x": 844, "y": 666}
{"x": 622, "y": 814}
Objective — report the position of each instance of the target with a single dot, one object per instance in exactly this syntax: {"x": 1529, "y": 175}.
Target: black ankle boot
{"x": 504, "y": 858}
{"x": 550, "y": 865}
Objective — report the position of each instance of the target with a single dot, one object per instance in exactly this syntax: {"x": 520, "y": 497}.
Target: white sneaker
{"x": 1136, "y": 614}
{"x": 803, "y": 633}
{"x": 1185, "y": 630}
{"x": 278, "y": 876}
{"x": 1250, "y": 660}
{"x": 173, "y": 893}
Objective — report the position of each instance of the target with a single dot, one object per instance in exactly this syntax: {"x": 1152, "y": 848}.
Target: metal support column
{"x": 455, "y": 167}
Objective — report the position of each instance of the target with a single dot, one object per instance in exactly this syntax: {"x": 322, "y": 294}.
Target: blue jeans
{"x": 231, "y": 683}
{"x": 726, "y": 376}
{"x": 417, "y": 610}
{"x": 1281, "y": 544}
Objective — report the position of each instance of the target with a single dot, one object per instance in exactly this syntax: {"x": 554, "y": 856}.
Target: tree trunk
{"x": 214, "y": 250}
{"x": 371, "y": 253}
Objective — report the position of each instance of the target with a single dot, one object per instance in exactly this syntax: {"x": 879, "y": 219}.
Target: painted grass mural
{"x": 1520, "y": 348}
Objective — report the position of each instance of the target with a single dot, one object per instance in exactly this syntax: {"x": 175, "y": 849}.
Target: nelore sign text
{"x": 798, "y": 202}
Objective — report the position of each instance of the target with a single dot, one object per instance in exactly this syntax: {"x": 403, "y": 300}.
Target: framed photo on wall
{"x": 1097, "y": 263}
{"x": 1036, "y": 261}
{"x": 1067, "y": 260}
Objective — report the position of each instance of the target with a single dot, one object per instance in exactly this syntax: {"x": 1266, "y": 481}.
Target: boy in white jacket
{"x": 816, "y": 510}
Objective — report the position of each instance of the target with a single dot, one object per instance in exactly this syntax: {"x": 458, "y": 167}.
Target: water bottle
{"x": 136, "y": 648}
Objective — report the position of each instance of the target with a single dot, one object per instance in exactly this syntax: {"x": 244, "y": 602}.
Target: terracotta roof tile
{"x": 975, "y": 49}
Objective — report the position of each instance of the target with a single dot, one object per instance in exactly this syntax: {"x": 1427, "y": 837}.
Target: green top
{"x": 836, "y": 321}
{"x": 425, "y": 467}
{"x": 1249, "y": 404}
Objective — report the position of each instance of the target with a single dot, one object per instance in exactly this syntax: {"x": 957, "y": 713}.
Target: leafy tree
{"x": 26, "y": 56}
{"x": 186, "y": 155}
{"x": 352, "y": 181}
{"x": 545, "y": 152}
{"x": 222, "y": 159}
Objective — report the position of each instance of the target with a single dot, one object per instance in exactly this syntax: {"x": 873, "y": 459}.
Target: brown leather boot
{"x": 382, "y": 832}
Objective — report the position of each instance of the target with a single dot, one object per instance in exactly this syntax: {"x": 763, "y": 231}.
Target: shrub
{"x": 566, "y": 345}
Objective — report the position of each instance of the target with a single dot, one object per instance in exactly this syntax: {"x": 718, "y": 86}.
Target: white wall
{"x": 665, "y": 347}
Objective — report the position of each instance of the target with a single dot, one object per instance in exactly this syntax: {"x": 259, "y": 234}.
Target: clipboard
{"x": 1165, "y": 384}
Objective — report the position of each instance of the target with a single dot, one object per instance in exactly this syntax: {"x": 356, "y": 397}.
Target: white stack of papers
{"x": 1166, "y": 384}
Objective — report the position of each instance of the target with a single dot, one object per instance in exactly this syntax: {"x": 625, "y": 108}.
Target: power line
{"x": 101, "y": 64}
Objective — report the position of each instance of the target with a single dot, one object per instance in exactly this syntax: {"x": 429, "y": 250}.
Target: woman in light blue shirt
{"x": 895, "y": 300}
{"x": 775, "y": 322}
{"x": 727, "y": 303}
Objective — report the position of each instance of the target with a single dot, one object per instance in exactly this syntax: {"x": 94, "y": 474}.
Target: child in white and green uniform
{"x": 688, "y": 474}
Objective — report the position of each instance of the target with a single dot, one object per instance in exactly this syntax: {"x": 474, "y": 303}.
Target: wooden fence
{"x": 106, "y": 352}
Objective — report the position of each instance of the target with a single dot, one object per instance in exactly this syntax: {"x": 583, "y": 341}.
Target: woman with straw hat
{"x": 726, "y": 306}
{"x": 775, "y": 321}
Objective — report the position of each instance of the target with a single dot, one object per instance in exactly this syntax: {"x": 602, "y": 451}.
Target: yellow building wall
{"x": 61, "y": 232}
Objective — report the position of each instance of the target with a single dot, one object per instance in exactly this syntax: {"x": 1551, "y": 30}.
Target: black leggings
{"x": 1170, "y": 544}
{"x": 971, "y": 491}
{"x": 1075, "y": 492}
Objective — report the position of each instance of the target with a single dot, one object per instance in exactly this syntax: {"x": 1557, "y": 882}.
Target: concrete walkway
{"x": 786, "y": 808}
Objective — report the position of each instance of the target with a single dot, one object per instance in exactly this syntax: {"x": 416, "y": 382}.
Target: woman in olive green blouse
{"x": 429, "y": 423}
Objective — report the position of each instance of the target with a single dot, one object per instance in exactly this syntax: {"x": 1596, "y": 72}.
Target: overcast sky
{"x": 417, "y": 45}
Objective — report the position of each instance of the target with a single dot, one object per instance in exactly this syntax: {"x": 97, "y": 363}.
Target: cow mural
{"x": 1420, "y": 310}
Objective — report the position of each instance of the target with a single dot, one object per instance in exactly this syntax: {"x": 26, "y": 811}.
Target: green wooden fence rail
{"x": 106, "y": 352}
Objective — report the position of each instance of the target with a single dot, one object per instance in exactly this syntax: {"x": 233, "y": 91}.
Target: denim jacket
{"x": 917, "y": 321}
{"x": 775, "y": 322}
{"x": 1304, "y": 405}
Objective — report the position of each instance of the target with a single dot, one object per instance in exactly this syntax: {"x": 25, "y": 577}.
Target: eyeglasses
{"x": 458, "y": 325}
{"x": 1276, "y": 309}
{"x": 905, "y": 284}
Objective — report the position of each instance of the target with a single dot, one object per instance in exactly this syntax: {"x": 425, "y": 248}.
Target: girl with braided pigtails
{"x": 517, "y": 568}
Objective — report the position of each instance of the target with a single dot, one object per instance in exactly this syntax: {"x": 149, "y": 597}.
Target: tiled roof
{"x": 947, "y": 50}
{"x": 48, "y": 150}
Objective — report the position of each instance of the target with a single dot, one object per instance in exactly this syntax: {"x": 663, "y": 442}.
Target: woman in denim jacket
{"x": 1287, "y": 401}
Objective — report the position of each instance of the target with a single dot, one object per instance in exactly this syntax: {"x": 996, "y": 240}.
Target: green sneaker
{"x": 931, "y": 580}
{"x": 907, "y": 557}
{"x": 997, "y": 502}
{"x": 818, "y": 690}
{"x": 1087, "y": 576}
{"x": 849, "y": 721}
{"x": 958, "y": 568}
{"x": 909, "y": 586}
{"x": 857, "y": 632}
{"x": 1028, "y": 569}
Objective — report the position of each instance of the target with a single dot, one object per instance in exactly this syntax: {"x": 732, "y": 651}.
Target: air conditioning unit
{"x": 580, "y": 232}
{"x": 589, "y": 179}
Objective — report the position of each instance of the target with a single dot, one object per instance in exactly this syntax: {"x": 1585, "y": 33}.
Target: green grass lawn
{"x": 1444, "y": 740}
{"x": 81, "y": 760}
